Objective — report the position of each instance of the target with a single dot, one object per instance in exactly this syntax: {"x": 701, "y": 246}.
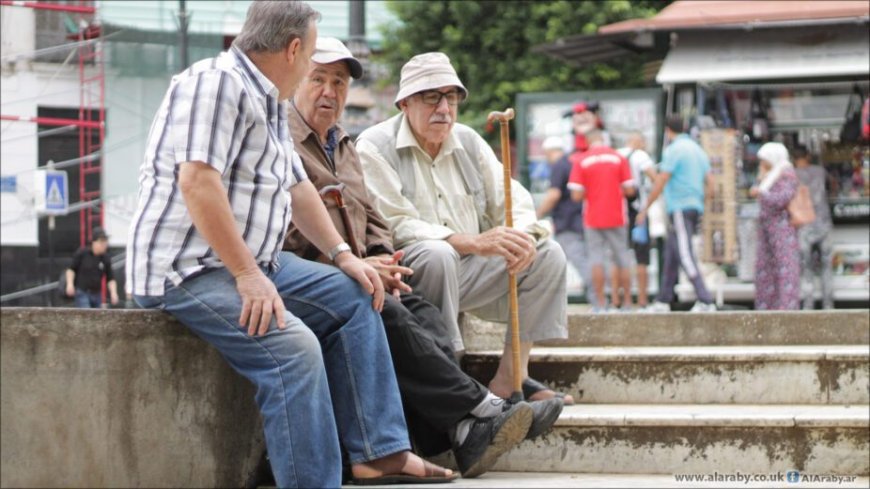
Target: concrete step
{"x": 832, "y": 374}
{"x": 550, "y": 480}
{"x": 838, "y": 327}
{"x": 693, "y": 438}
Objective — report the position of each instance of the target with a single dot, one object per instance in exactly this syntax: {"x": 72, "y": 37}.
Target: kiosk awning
{"x": 738, "y": 14}
{"x": 768, "y": 54}
{"x": 737, "y": 17}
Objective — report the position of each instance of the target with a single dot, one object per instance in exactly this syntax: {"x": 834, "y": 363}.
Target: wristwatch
{"x": 339, "y": 249}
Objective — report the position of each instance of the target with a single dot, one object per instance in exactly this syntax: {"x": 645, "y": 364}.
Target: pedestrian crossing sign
{"x": 52, "y": 192}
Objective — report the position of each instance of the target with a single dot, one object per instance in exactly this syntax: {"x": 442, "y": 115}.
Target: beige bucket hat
{"x": 427, "y": 71}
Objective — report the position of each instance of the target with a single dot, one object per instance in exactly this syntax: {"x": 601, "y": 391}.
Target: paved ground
{"x": 508, "y": 480}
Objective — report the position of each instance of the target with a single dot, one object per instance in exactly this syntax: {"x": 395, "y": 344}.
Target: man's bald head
{"x": 636, "y": 140}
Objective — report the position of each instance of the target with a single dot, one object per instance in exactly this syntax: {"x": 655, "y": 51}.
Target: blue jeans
{"x": 327, "y": 375}
{"x": 88, "y": 300}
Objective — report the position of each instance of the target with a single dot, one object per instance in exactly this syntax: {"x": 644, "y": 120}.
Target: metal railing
{"x": 117, "y": 262}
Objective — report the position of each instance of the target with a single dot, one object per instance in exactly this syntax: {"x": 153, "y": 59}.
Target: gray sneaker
{"x": 546, "y": 412}
{"x": 657, "y": 307}
{"x": 489, "y": 438}
{"x": 701, "y": 307}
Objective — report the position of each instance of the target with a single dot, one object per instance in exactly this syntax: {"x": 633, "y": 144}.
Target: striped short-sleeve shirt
{"x": 224, "y": 112}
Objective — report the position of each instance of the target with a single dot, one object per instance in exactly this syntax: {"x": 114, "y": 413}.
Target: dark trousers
{"x": 678, "y": 253}
{"x": 85, "y": 299}
{"x": 436, "y": 393}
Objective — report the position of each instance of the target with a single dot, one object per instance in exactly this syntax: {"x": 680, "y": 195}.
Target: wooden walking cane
{"x": 503, "y": 119}
{"x": 335, "y": 192}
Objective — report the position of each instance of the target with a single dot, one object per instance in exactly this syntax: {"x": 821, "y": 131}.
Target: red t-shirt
{"x": 601, "y": 172}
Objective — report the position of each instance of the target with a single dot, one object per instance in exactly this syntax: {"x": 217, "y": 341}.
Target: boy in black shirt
{"x": 84, "y": 276}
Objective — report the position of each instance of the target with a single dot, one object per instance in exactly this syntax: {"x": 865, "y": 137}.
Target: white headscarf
{"x": 777, "y": 155}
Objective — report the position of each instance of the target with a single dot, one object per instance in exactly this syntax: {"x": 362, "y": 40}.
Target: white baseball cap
{"x": 427, "y": 71}
{"x": 553, "y": 142}
{"x": 329, "y": 50}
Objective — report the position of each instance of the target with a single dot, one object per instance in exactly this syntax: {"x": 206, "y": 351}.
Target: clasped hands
{"x": 518, "y": 248}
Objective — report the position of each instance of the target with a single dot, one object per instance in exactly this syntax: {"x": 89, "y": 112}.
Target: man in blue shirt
{"x": 684, "y": 171}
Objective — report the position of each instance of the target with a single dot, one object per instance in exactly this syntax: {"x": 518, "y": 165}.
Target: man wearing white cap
{"x": 567, "y": 215}
{"x": 438, "y": 185}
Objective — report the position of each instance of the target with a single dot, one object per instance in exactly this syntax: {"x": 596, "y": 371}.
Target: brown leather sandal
{"x": 434, "y": 475}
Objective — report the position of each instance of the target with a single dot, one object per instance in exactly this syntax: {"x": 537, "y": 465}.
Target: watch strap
{"x": 337, "y": 250}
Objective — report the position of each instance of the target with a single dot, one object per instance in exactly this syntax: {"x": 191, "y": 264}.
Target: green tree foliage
{"x": 489, "y": 43}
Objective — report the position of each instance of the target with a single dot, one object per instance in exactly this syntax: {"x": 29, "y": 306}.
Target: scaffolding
{"x": 91, "y": 122}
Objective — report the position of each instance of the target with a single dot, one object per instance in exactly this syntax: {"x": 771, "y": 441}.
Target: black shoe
{"x": 489, "y": 438}
{"x": 545, "y": 413}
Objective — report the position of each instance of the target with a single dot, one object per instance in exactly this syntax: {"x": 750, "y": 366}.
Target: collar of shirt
{"x": 301, "y": 131}
{"x": 263, "y": 84}
{"x": 331, "y": 142}
{"x": 406, "y": 139}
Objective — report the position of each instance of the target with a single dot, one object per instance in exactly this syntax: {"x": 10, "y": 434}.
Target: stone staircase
{"x": 726, "y": 392}
{"x": 130, "y": 398}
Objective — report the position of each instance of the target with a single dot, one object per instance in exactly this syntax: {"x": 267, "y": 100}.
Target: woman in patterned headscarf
{"x": 777, "y": 265}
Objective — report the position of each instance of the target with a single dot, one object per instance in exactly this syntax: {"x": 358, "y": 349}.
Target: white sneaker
{"x": 701, "y": 307}
{"x": 657, "y": 307}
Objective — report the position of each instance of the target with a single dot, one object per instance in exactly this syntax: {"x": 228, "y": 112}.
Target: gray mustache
{"x": 328, "y": 103}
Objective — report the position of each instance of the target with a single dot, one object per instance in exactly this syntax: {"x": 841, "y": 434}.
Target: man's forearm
{"x": 661, "y": 180}
{"x": 550, "y": 199}
{"x": 70, "y": 276}
{"x": 709, "y": 186}
{"x": 209, "y": 208}
{"x": 464, "y": 244}
{"x": 312, "y": 219}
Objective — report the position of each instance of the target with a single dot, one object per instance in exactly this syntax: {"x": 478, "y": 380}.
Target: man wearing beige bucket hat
{"x": 438, "y": 185}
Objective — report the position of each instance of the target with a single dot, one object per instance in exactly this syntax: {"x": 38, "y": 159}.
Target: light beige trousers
{"x": 479, "y": 285}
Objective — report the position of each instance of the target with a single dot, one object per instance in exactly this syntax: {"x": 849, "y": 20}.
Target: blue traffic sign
{"x": 8, "y": 184}
{"x": 56, "y": 195}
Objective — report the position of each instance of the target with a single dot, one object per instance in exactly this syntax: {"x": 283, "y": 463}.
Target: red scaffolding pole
{"x": 92, "y": 111}
{"x": 80, "y": 9}
{"x": 91, "y": 108}
{"x": 51, "y": 121}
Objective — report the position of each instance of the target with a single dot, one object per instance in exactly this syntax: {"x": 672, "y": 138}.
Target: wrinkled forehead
{"x": 338, "y": 68}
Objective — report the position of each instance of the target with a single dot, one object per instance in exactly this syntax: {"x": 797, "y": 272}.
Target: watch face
{"x": 339, "y": 248}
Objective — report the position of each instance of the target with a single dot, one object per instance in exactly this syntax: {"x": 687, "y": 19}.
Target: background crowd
{"x": 601, "y": 200}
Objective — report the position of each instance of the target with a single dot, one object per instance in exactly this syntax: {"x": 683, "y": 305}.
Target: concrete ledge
{"x": 839, "y": 327}
{"x": 119, "y": 398}
{"x": 745, "y": 415}
{"x": 661, "y": 439}
{"x": 650, "y": 439}
{"x": 770, "y": 374}
{"x": 569, "y": 480}
{"x": 772, "y": 353}
{"x": 694, "y": 449}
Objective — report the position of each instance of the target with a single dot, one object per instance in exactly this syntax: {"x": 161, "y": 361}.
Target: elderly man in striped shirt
{"x": 219, "y": 185}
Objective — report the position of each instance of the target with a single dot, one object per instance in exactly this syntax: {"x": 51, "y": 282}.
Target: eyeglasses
{"x": 433, "y": 97}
